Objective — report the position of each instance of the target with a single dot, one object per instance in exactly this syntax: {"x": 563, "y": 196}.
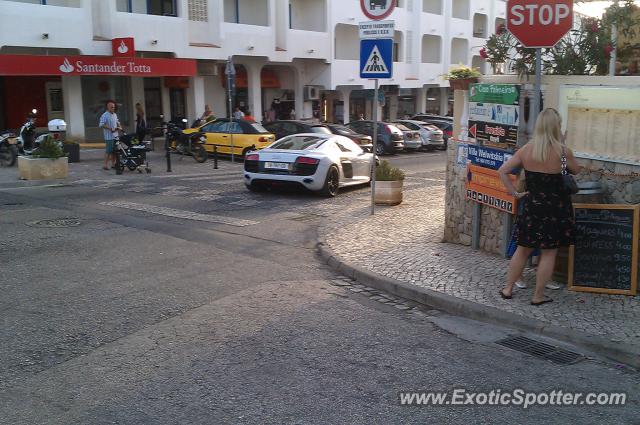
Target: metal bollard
{"x": 168, "y": 155}
{"x": 215, "y": 157}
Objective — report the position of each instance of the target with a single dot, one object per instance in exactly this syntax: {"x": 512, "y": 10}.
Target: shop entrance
{"x": 153, "y": 102}
{"x": 177, "y": 105}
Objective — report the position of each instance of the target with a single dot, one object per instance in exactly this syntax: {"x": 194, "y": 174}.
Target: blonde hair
{"x": 546, "y": 136}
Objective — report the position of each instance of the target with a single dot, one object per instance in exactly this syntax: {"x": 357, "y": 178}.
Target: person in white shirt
{"x": 110, "y": 127}
{"x": 238, "y": 114}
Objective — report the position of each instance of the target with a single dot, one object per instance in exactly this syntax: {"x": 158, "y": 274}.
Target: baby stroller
{"x": 131, "y": 153}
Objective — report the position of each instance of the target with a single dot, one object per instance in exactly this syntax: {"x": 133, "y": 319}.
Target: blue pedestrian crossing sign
{"x": 376, "y": 58}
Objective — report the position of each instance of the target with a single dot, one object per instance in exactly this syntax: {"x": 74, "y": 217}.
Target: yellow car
{"x": 243, "y": 135}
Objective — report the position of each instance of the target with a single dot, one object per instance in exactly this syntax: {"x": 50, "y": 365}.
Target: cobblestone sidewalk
{"x": 404, "y": 243}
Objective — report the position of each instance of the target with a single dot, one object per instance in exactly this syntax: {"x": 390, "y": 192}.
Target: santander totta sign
{"x": 539, "y": 23}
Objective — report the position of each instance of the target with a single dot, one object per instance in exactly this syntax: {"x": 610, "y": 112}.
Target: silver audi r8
{"x": 319, "y": 162}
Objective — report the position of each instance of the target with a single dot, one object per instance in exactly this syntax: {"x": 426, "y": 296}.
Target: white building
{"x": 60, "y": 57}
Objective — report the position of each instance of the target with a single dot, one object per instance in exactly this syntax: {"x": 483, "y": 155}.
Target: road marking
{"x": 187, "y": 215}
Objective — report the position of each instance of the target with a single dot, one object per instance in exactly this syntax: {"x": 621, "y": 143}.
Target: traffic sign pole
{"x": 538, "y": 87}
{"x": 231, "y": 72}
{"x": 375, "y": 145}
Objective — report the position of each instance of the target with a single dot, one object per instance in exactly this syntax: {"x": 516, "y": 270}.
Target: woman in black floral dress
{"x": 547, "y": 221}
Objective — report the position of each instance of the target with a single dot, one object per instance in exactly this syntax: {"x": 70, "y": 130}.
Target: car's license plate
{"x": 277, "y": 165}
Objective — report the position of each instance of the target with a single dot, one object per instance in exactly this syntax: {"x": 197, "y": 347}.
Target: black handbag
{"x": 569, "y": 183}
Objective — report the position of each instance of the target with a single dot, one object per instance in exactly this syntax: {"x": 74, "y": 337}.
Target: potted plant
{"x": 388, "y": 184}
{"x": 72, "y": 149}
{"x": 48, "y": 161}
{"x": 461, "y": 77}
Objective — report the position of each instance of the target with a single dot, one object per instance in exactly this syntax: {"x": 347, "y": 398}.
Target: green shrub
{"x": 49, "y": 148}
{"x": 386, "y": 173}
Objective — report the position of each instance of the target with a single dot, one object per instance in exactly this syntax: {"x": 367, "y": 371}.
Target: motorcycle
{"x": 186, "y": 143}
{"x": 8, "y": 148}
{"x": 23, "y": 144}
{"x": 131, "y": 153}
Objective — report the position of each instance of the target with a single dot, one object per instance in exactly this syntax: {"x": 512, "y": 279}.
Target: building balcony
{"x": 309, "y": 45}
{"x": 45, "y": 26}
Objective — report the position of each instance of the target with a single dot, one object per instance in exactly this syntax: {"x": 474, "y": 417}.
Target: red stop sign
{"x": 539, "y": 23}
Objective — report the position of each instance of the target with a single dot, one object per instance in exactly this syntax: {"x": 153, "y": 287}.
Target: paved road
{"x": 184, "y": 298}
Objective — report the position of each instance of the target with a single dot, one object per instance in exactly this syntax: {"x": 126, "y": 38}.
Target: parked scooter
{"x": 57, "y": 129}
{"x": 186, "y": 143}
{"x": 27, "y": 134}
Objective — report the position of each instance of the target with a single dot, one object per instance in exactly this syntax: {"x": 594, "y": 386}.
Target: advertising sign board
{"x": 484, "y": 186}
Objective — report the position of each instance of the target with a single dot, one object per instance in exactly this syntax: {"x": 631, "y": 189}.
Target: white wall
{"x": 347, "y": 42}
{"x": 308, "y": 15}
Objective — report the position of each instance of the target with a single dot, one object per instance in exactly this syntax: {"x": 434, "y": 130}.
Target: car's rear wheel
{"x": 380, "y": 148}
{"x": 331, "y": 183}
{"x": 255, "y": 187}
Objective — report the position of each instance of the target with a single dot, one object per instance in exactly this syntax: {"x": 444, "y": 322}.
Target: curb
{"x": 616, "y": 351}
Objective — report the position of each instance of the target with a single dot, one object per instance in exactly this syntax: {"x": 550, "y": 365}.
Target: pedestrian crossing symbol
{"x": 375, "y": 63}
{"x": 376, "y": 59}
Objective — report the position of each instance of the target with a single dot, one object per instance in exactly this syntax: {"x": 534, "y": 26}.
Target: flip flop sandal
{"x": 505, "y": 297}
{"x": 539, "y": 303}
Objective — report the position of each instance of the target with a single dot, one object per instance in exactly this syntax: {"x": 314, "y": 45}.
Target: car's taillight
{"x": 307, "y": 160}
{"x": 251, "y": 157}
{"x": 387, "y": 129}
{"x": 449, "y": 132}
{"x": 263, "y": 139}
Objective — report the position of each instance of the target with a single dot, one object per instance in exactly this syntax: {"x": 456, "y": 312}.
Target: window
{"x": 235, "y": 128}
{"x": 215, "y": 127}
{"x": 248, "y": 12}
{"x": 161, "y": 7}
{"x": 149, "y": 7}
{"x": 64, "y": 3}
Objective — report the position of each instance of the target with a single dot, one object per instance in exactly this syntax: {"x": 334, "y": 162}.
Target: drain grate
{"x": 540, "y": 349}
{"x": 55, "y": 222}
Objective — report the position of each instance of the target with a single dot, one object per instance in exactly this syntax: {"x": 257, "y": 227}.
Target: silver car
{"x": 412, "y": 138}
{"x": 318, "y": 162}
{"x": 431, "y": 136}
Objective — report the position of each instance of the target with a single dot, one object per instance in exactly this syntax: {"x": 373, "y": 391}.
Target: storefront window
{"x": 96, "y": 91}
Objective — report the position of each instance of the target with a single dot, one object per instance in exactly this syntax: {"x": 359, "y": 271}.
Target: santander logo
{"x": 66, "y": 66}
{"x": 122, "y": 49}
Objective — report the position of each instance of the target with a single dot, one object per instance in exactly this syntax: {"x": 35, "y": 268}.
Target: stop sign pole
{"x": 537, "y": 24}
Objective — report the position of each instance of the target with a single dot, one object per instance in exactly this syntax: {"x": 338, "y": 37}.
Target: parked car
{"x": 428, "y": 117}
{"x": 284, "y": 128}
{"x": 432, "y": 136}
{"x": 364, "y": 141}
{"x": 412, "y": 138}
{"x": 443, "y": 123}
{"x": 316, "y": 161}
{"x": 247, "y": 136}
{"x": 390, "y": 138}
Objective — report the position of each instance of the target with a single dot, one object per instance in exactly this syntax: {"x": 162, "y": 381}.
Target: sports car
{"x": 319, "y": 162}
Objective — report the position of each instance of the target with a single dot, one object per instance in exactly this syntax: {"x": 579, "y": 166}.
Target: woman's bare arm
{"x": 513, "y": 163}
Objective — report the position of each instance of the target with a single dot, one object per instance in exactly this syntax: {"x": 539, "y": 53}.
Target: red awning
{"x": 95, "y": 65}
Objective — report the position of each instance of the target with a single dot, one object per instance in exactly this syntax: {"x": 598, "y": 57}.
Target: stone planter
{"x": 462, "y": 83}
{"x": 72, "y": 150}
{"x": 42, "y": 168}
{"x": 388, "y": 192}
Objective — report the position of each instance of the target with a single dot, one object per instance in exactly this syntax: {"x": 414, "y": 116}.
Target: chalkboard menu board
{"x": 605, "y": 255}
